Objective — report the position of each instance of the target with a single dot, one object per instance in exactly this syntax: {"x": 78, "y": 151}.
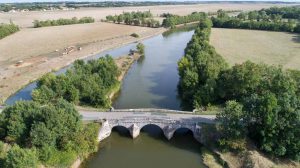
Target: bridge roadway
{"x": 134, "y": 120}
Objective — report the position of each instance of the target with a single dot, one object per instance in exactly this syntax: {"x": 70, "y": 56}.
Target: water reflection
{"x": 150, "y": 149}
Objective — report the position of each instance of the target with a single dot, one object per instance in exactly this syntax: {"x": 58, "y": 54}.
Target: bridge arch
{"x": 135, "y": 125}
{"x": 122, "y": 130}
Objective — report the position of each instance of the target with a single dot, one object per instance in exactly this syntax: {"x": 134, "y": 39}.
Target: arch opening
{"x": 183, "y": 138}
{"x": 121, "y": 130}
{"x": 152, "y": 130}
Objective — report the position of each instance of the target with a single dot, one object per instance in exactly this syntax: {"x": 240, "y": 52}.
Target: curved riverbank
{"x": 16, "y": 77}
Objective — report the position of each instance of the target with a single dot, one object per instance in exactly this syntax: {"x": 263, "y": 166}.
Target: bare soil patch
{"x": 274, "y": 48}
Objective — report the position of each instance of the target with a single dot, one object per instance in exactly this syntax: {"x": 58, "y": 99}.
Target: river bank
{"x": 124, "y": 63}
{"x": 15, "y": 76}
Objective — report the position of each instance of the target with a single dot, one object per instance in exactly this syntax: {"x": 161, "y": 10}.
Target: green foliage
{"x": 271, "y": 102}
{"x": 240, "y": 80}
{"x": 173, "y": 20}
{"x": 199, "y": 69}
{"x": 135, "y": 18}
{"x": 297, "y": 28}
{"x": 292, "y": 12}
{"x": 230, "y": 120}
{"x": 8, "y": 29}
{"x": 265, "y": 19}
{"x": 140, "y": 48}
{"x": 231, "y": 127}
{"x": 135, "y": 35}
{"x": 21, "y": 158}
{"x": 267, "y": 105}
{"x": 32, "y": 124}
{"x": 85, "y": 83}
{"x": 58, "y": 158}
{"x": 52, "y": 132}
{"x": 60, "y": 22}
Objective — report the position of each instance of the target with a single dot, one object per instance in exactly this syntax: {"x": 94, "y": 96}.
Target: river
{"x": 150, "y": 83}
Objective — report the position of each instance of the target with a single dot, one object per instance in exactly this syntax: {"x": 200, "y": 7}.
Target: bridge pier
{"x": 169, "y": 131}
{"x": 105, "y": 131}
{"x": 134, "y": 131}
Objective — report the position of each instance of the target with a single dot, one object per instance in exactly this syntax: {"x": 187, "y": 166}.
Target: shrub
{"x": 60, "y": 22}
{"x": 8, "y": 29}
{"x": 135, "y": 35}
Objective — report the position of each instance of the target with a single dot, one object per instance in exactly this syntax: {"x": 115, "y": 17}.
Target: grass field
{"x": 275, "y": 48}
{"x": 25, "y": 19}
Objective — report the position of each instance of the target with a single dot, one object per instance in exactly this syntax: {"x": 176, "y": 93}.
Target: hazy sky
{"x": 7, "y": 1}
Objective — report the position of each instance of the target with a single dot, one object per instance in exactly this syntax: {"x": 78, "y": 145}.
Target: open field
{"x": 41, "y": 50}
{"x": 276, "y": 48}
{"x": 25, "y": 19}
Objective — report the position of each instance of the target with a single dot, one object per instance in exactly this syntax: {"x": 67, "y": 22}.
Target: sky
{"x": 12, "y": 1}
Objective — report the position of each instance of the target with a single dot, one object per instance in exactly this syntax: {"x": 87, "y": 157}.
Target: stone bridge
{"x": 134, "y": 120}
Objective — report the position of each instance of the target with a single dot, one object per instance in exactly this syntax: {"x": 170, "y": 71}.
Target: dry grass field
{"x": 276, "y": 48}
{"x": 41, "y": 50}
{"x": 25, "y": 19}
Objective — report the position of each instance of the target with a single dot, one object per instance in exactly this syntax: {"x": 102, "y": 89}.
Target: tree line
{"x": 173, "y": 20}
{"x": 292, "y": 12}
{"x": 257, "y": 20}
{"x": 261, "y": 101}
{"x": 85, "y": 83}
{"x": 51, "y": 134}
{"x": 59, "y": 22}
{"x": 8, "y": 29}
{"x": 134, "y": 18}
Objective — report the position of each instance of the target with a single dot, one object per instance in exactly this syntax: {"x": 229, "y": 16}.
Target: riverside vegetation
{"x": 8, "y": 29}
{"x": 261, "y": 102}
{"x": 49, "y": 130}
{"x": 50, "y": 134}
{"x": 83, "y": 84}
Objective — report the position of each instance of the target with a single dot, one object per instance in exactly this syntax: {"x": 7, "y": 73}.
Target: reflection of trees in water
{"x": 141, "y": 59}
{"x": 184, "y": 28}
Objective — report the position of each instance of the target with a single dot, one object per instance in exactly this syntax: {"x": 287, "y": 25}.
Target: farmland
{"x": 277, "y": 48}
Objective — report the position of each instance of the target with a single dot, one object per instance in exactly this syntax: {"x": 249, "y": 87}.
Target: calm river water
{"x": 150, "y": 83}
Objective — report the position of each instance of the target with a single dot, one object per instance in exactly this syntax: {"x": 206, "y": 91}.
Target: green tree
{"x": 21, "y": 158}
{"x": 230, "y": 122}
{"x": 140, "y": 48}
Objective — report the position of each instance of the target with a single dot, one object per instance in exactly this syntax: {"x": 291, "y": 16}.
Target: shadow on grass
{"x": 296, "y": 38}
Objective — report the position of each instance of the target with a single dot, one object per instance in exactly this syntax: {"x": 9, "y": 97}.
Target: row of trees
{"x": 134, "y": 18}
{"x": 262, "y": 101}
{"x": 292, "y": 12}
{"x": 199, "y": 69}
{"x": 258, "y": 20}
{"x": 173, "y": 20}
{"x": 87, "y": 83}
{"x": 60, "y": 22}
{"x": 51, "y": 134}
{"x": 8, "y": 29}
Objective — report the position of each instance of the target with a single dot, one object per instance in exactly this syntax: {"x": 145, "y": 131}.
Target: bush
{"x": 135, "y": 35}
{"x": 21, "y": 158}
{"x": 8, "y": 29}
{"x": 60, "y": 22}
{"x": 234, "y": 145}
{"x": 140, "y": 48}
